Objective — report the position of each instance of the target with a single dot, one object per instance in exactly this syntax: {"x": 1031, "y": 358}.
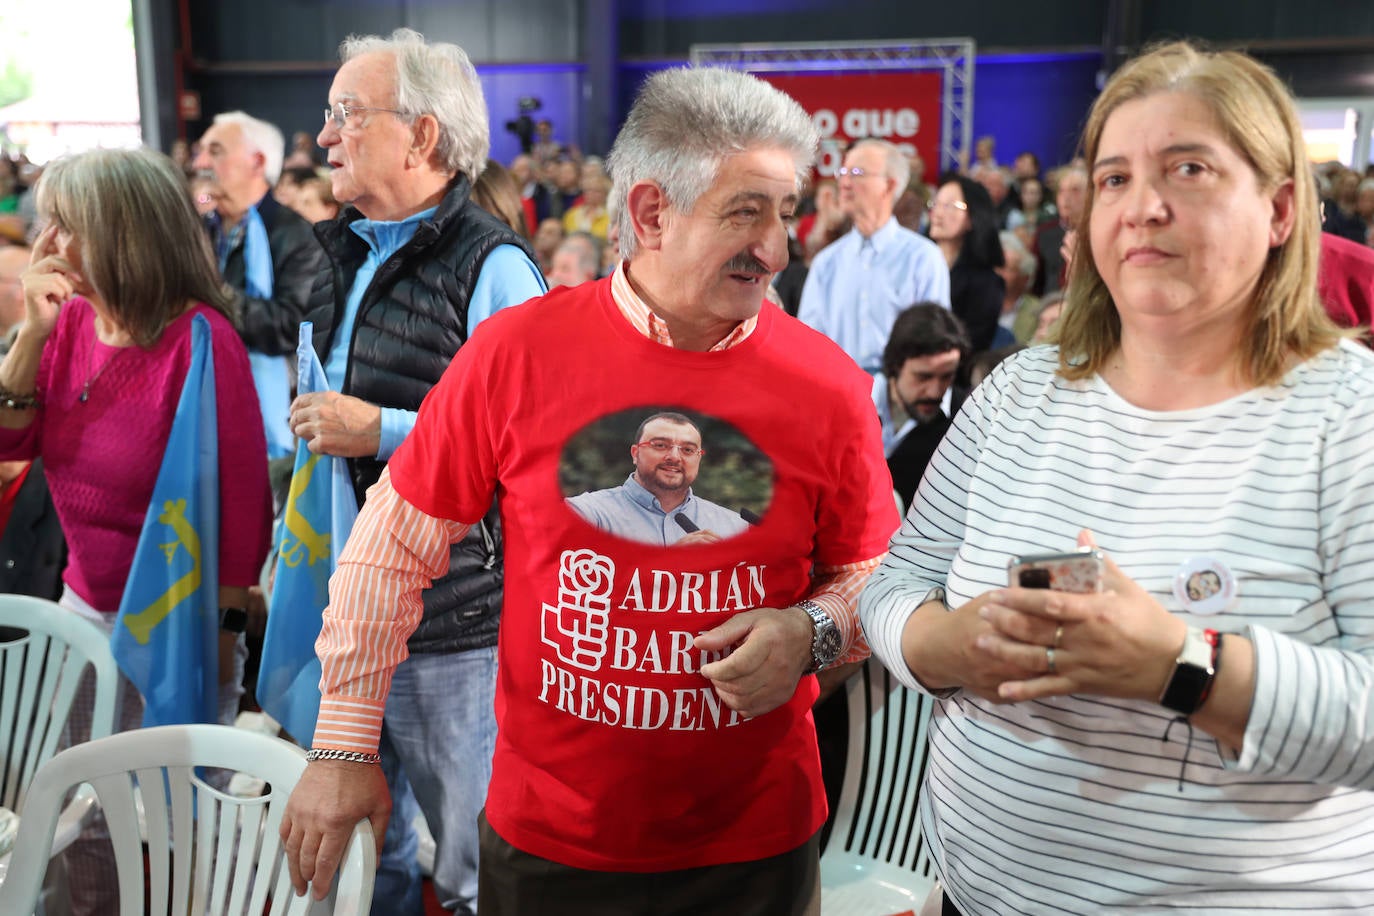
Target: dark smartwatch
{"x": 233, "y": 619}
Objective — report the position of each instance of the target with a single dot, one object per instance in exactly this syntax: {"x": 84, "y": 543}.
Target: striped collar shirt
{"x": 643, "y": 319}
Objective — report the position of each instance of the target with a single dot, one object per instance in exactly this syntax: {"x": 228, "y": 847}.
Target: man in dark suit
{"x": 920, "y": 362}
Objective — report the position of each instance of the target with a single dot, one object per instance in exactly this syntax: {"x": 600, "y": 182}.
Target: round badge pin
{"x": 1204, "y": 586}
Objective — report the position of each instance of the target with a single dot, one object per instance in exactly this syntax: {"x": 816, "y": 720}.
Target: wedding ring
{"x": 1049, "y": 660}
{"x": 1058, "y": 635}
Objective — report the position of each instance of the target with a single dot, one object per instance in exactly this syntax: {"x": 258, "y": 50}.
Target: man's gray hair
{"x": 435, "y": 78}
{"x": 897, "y": 167}
{"x": 686, "y": 122}
{"x": 262, "y": 137}
{"x": 1016, "y": 254}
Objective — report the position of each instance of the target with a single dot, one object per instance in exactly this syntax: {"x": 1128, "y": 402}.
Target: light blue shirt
{"x": 632, "y": 512}
{"x": 857, "y": 286}
{"x": 507, "y": 278}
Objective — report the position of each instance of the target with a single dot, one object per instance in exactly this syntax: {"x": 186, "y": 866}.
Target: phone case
{"x": 1079, "y": 571}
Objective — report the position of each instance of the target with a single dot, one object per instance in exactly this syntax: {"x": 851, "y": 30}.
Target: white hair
{"x": 261, "y": 137}
{"x": 435, "y": 79}
{"x": 686, "y": 122}
{"x": 897, "y": 166}
{"x": 1016, "y": 254}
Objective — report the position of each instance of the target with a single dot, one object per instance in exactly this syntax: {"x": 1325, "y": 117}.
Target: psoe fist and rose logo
{"x": 578, "y": 626}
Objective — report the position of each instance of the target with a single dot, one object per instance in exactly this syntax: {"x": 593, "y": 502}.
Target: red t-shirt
{"x": 613, "y": 753}
{"x": 9, "y": 493}
{"x": 1346, "y": 281}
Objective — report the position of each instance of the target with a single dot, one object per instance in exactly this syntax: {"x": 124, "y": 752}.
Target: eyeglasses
{"x": 947, "y": 205}
{"x": 338, "y": 113}
{"x": 853, "y": 171}
{"x": 685, "y": 449}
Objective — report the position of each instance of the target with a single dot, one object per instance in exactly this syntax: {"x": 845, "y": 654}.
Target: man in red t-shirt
{"x": 656, "y": 751}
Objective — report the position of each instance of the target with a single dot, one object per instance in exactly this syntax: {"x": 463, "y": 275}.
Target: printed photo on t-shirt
{"x": 666, "y": 476}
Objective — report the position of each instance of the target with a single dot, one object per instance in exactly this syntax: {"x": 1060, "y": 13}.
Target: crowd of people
{"x": 1132, "y": 354}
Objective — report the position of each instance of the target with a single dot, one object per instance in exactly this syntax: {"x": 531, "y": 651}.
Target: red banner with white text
{"x": 901, "y": 107}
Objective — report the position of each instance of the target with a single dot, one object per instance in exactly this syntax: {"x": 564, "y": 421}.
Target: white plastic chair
{"x": 39, "y": 674}
{"x": 207, "y": 852}
{"x": 876, "y": 862}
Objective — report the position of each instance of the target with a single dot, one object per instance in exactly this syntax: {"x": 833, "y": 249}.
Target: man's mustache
{"x": 746, "y": 263}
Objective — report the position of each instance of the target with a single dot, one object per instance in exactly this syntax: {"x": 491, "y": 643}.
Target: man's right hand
{"x": 331, "y": 797}
{"x": 337, "y": 424}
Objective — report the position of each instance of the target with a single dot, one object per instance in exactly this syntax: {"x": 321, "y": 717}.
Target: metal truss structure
{"x": 952, "y": 56}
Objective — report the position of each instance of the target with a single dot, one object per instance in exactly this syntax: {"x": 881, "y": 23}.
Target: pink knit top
{"x": 102, "y": 456}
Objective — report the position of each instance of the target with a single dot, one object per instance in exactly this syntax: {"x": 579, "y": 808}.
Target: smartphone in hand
{"x": 1077, "y": 571}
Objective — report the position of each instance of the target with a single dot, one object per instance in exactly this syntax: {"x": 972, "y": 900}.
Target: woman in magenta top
{"x": 94, "y": 378}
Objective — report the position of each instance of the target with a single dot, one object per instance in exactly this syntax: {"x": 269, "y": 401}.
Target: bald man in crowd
{"x": 858, "y": 285}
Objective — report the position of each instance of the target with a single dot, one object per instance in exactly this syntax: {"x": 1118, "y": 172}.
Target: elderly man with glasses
{"x": 414, "y": 267}
{"x": 858, "y": 285}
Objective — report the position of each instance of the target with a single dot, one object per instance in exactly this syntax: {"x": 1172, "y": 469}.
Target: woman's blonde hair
{"x": 1256, "y": 114}
{"x": 143, "y": 248}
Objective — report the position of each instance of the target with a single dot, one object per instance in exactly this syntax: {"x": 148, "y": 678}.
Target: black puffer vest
{"x": 411, "y": 321}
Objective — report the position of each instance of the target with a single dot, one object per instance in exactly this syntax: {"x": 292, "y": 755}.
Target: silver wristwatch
{"x": 825, "y": 636}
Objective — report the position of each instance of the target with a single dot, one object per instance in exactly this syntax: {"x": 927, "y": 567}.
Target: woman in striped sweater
{"x": 1200, "y": 734}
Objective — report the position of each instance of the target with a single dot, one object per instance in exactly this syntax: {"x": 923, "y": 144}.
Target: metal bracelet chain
{"x": 329, "y": 753}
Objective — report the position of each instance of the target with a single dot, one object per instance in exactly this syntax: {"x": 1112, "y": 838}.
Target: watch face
{"x": 827, "y": 645}
{"x": 1185, "y": 688}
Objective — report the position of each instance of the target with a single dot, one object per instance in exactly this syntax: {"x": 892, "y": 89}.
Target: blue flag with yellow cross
{"x": 320, "y": 510}
{"x": 166, "y": 635}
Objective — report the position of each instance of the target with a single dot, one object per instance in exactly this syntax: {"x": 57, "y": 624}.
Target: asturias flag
{"x": 320, "y": 510}
{"x": 166, "y": 635}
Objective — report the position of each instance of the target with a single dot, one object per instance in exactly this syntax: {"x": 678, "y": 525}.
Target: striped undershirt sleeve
{"x": 1312, "y": 717}
{"x": 394, "y": 552}
{"x": 836, "y": 589}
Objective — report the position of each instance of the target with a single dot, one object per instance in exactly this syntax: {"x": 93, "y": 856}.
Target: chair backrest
{"x": 876, "y": 816}
{"x": 207, "y": 852}
{"x": 39, "y": 674}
